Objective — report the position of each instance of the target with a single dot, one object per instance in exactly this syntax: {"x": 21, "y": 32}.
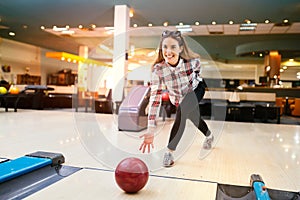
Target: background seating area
{"x": 240, "y": 106}
{"x": 295, "y": 107}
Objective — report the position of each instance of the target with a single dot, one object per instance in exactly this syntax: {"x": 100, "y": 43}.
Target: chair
{"x": 279, "y": 102}
{"x": 295, "y": 108}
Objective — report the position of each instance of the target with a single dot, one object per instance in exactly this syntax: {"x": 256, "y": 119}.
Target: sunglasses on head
{"x": 171, "y": 33}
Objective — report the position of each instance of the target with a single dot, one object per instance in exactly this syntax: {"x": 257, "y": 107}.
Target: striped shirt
{"x": 178, "y": 80}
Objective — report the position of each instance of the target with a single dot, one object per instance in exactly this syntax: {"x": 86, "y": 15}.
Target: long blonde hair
{"x": 186, "y": 52}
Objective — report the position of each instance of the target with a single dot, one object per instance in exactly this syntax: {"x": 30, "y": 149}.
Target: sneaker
{"x": 208, "y": 142}
{"x": 168, "y": 159}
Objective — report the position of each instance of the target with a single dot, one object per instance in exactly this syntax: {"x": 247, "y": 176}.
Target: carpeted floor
{"x": 290, "y": 120}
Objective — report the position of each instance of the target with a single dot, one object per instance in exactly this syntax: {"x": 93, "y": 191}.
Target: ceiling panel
{"x": 231, "y": 29}
{"x": 295, "y": 28}
{"x": 24, "y": 18}
{"x": 279, "y": 29}
{"x": 263, "y": 28}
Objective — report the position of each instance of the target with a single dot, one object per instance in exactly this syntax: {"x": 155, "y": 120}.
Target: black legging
{"x": 188, "y": 109}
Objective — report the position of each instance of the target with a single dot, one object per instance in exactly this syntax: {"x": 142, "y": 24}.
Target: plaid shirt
{"x": 178, "y": 80}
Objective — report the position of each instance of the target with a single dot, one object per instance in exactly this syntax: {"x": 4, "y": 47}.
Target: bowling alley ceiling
{"x": 219, "y": 26}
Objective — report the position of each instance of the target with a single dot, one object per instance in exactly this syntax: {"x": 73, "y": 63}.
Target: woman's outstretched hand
{"x": 147, "y": 143}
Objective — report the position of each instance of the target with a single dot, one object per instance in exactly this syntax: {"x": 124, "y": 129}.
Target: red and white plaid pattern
{"x": 178, "y": 80}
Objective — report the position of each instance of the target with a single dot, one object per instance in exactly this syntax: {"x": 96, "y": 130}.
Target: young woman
{"x": 178, "y": 68}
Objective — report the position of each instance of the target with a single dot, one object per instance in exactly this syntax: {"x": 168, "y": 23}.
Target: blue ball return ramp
{"x": 28, "y": 174}
{"x": 256, "y": 191}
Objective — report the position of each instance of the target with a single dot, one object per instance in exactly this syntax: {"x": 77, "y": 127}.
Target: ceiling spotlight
{"x": 135, "y": 25}
{"x": 230, "y": 22}
{"x": 285, "y": 21}
{"x": 213, "y": 22}
{"x": 93, "y": 26}
{"x": 11, "y": 34}
{"x": 267, "y": 21}
{"x": 197, "y": 23}
{"x": 247, "y": 21}
{"x": 80, "y": 26}
{"x": 166, "y": 24}
{"x": 131, "y": 13}
{"x": 43, "y": 27}
{"x": 150, "y": 24}
{"x": 180, "y": 24}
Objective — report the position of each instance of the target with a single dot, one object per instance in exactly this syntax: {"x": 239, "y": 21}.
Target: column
{"x": 121, "y": 44}
{"x": 82, "y": 70}
{"x": 272, "y": 67}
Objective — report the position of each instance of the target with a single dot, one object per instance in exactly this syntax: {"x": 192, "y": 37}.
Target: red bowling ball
{"x": 131, "y": 175}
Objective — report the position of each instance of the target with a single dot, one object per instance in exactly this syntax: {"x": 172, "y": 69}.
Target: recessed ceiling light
{"x": 93, "y": 26}
{"x": 80, "y": 26}
{"x": 131, "y": 13}
{"x": 285, "y": 21}
{"x": 197, "y": 23}
{"x": 230, "y": 22}
{"x": 166, "y": 24}
{"x": 135, "y": 25}
{"x": 150, "y": 24}
{"x": 248, "y": 21}
{"x": 180, "y": 24}
{"x": 213, "y": 22}
{"x": 11, "y": 34}
{"x": 267, "y": 21}
{"x": 42, "y": 27}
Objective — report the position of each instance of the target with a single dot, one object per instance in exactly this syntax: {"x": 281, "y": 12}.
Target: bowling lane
{"x": 270, "y": 150}
{"x": 28, "y": 131}
{"x": 99, "y": 184}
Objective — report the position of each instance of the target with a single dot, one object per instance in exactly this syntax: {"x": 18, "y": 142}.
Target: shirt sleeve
{"x": 197, "y": 66}
{"x": 155, "y": 99}
{"x": 197, "y": 70}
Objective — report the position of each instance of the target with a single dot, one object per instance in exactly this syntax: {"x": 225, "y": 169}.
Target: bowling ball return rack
{"x": 28, "y": 174}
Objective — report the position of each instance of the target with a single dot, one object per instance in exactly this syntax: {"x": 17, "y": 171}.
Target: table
{"x": 267, "y": 111}
{"x": 243, "y": 112}
{"x": 34, "y": 99}
{"x": 287, "y": 102}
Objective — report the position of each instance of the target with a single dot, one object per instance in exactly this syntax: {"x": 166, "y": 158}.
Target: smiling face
{"x": 171, "y": 50}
